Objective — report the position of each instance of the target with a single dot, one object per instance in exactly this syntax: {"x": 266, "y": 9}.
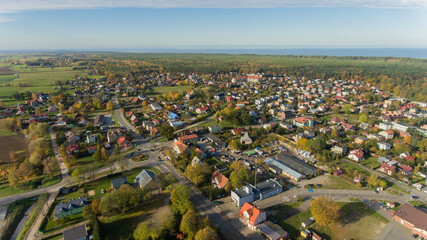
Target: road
{"x": 202, "y": 205}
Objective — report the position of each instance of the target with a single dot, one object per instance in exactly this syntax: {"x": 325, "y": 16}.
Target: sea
{"x": 339, "y": 52}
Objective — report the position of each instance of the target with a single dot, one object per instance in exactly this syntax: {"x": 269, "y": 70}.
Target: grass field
{"x": 40, "y": 79}
{"x": 122, "y": 226}
{"x": 371, "y": 162}
{"x": 5, "y": 133}
{"x": 162, "y": 90}
{"x": 6, "y": 190}
{"x": 6, "y": 78}
{"x": 357, "y": 217}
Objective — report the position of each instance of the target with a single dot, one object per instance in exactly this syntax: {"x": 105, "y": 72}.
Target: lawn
{"x": 357, "y": 217}
{"x": 42, "y": 181}
{"x": 336, "y": 182}
{"x": 371, "y": 162}
{"x": 122, "y": 226}
{"x": 162, "y": 90}
{"x": 5, "y": 133}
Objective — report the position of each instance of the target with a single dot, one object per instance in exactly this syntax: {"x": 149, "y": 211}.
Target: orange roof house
{"x": 219, "y": 180}
{"x": 250, "y": 215}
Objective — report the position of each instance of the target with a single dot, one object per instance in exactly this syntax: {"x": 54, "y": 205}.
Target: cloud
{"x": 8, "y": 6}
{"x": 5, "y": 19}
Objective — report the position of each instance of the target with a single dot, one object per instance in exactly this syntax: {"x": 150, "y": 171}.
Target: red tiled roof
{"x": 188, "y": 137}
{"x": 252, "y": 211}
{"x": 222, "y": 180}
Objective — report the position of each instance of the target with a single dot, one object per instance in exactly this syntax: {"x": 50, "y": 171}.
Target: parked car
{"x": 375, "y": 191}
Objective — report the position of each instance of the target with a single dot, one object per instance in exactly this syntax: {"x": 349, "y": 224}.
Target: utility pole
{"x": 256, "y": 167}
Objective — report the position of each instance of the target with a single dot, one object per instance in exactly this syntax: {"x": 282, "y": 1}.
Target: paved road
{"x": 202, "y": 205}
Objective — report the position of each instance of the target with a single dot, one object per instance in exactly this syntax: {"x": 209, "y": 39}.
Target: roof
{"x": 219, "y": 178}
{"x": 302, "y": 120}
{"x": 75, "y": 233}
{"x": 188, "y": 137}
{"x": 357, "y": 152}
{"x": 252, "y": 211}
{"x": 297, "y": 164}
{"x": 413, "y": 215}
{"x": 72, "y": 204}
{"x": 181, "y": 146}
{"x": 267, "y": 230}
{"x": 405, "y": 168}
{"x": 145, "y": 177}
{"x": 284, "y": 168}
{"x": 267, "y": 186}
{"x": 99, "y": 119}
{"x": 116, "y": 183}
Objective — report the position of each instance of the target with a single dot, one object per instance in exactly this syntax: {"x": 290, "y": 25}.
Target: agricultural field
{"x": 11, "y": 142}
{"x": 38, "y": 79}
{"x": 163, "y": 90}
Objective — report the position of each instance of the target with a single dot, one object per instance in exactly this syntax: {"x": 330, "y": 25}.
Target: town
{"x": 101, "y": 154}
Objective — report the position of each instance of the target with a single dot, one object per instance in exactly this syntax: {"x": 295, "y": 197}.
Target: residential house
{"x": 387, "y": 168}
{"x": 219, "y": 180}
{"x": 385, "y": 126}
{"x": 360, "y": 140}
{"x": 180, "y": 147}
{"x": 412, "y": 218}
{"x": 356, "y": 155}
{"x": 339, "y": 149}
{"x": 83, "y": 121}
{"x": 388, "y": 134}
{"x": 155, "y": 106}
{"x": 124, "y": 142}
{"x": 384, "y": 146}
{"x": 303, "y": 121}
{"x": 405, "y": 169}
{"x": 236, "y": 131}
{"x": 145, "y": 179}
{"x": 251, "y": 216}
{"x": 196, "y": 161}
{"x": 214, "y": 129}
{"x": 71, "y": 207}
{"x": 201, "y": 110}
{"x": 99, "y": 120}
{"x": 91, "y": 149}
{"x": 189, "y": 139}
{"x": 118, "y": 182}
{"x": 61, "y": 122}
{"x": 91, "y": 138}
{"x": 72, "y": 148}
{"x": 113, "y": 135}
{"x": 176, "y": 123}
{"x": 246, "y": 139}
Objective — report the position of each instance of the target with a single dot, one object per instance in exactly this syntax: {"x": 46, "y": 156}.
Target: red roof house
{"x": 250, "y": 215}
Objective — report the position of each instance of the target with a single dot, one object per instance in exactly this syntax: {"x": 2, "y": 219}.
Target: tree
{"x": 117, "y": 149}
{"x": 363, "y": 117}
{"x": 422, "y": 145}
{"x": 104, "y": 155}
{"x": 382, "y": 184}
{"x": 373, "y": 180}
{"x": 190, "y": 223}
{"x": 334, "y": 132}
{"x": 110, "y": 106}
{"x": 239, "y": 177}
{"x": 76, "y": 175}
{"x": 50, "y": 166}
{"x": 166, "y": 131}
{"x": 13, "y": 178}
{"x": 180, "y": 197}
{"x": 12, "y": 155}
{"x": 234, "y": 144}
{"x": 36, "y": 158}
{"x": 336, "y": 109}
{"x": 207, "y": 233}
{"x": 97, "y": 155}
{"x": 325, "y": 210}
{"x": 316, "y": 145}
{"x": 142, "y": 232}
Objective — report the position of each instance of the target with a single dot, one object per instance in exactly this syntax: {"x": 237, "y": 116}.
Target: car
{"x": 103, "y": 191}
{"x": 319, "y": 185}
{"x": 310, "y": 190}
{"x": 375, "y": 191}
{"x": 215, "y": 202}
{"x": 386, "y": 208}
{"x": 414, "y": 197}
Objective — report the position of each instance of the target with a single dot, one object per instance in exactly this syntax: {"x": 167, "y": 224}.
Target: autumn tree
{"x": 207, "y": 233}
{"x": 13, "y": 178}
{"x": 373, "y": 180}
{"x": 190, "y": 223}
{"x": 363, "y": 117}
{"x": 325, "y": 210}
{"x": 180, "y": 197}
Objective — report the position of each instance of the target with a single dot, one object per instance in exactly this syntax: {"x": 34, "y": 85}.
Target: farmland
{"x": 9, "y": 142}
{"x": 35, "y": 79}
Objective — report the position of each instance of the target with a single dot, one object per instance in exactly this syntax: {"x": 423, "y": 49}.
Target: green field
{"x": 39, "y": 79}
{"x": 162, "y": 90}
{"x": 5, "y": 133}
{"x": 6, "y": 78}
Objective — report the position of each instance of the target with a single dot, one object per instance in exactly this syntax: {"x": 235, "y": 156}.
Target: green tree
{"x": 239, "y": 177}
{"x": 180, "y": 198}
{"x": 334, "y": 132}
{"x": 325, "y": 210}
{"x": 363, "y": 117}
{"x": 190, "y": 223}
{"x": 13, "y": 178}
{"x": 97, "y": 157}
{"x": 207, "y": 233}
{"x": 76, "y": 175}
{"x": 104, "y": 155}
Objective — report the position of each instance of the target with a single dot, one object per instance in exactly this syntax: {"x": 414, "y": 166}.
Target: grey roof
{"x": 75, "y": 233}
{"x": 116, "y": 183}
{"x": 286, "y": 169}
{"x": 297, "y": 164}
{"x": 145, "y": 177}
{"x": 267, "y": 186}
{"x": 241, "y": 192}
{"x": 73, "y": 204}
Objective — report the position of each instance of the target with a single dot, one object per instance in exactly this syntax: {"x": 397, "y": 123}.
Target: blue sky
{"x": 164, "y": 25}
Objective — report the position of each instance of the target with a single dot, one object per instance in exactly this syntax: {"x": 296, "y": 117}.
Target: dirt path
{"x": 160, "y": 212}
{"x": 32, "y": 233}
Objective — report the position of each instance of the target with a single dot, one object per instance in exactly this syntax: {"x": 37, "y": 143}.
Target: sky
{"x": 222, "y": 24}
